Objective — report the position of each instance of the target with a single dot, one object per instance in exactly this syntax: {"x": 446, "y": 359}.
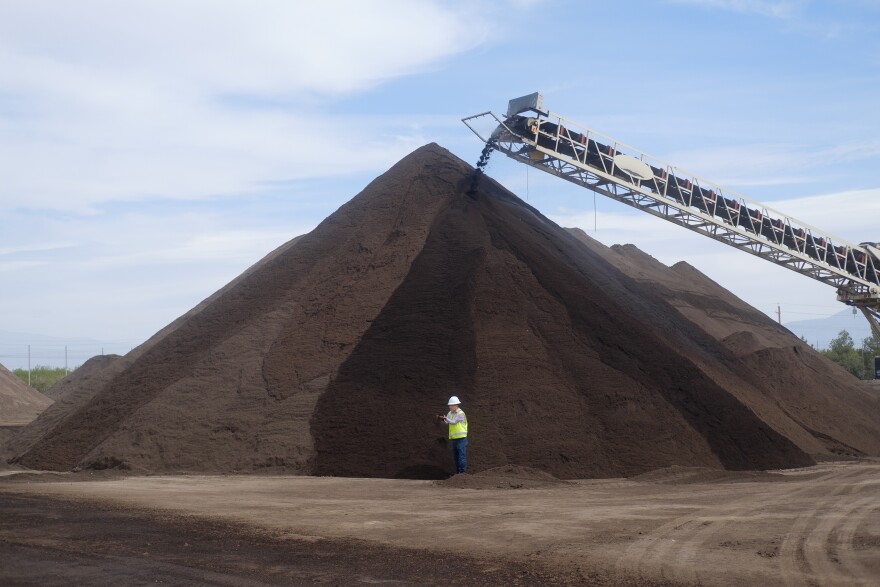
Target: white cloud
{"x": 770, "y": 8}
{"x": 50, "y": 246}
{"x": 770, "y": 164}
{"x": 847, "y": 214}
{"x": 126, "y": 277}
{"x": 104, "y": 101}
{"x": 852, "y": 215}
{"x": 209, "y": 245}
{"x": 199, "y": 154}
{"x": 270, "y": 47}
{"x": 760, "y": 283}
{"x": 108, "y": 111}
{"x": 19, "y": 265}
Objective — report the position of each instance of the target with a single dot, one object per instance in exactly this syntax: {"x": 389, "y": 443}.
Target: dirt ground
{"x": 812, "y": 526}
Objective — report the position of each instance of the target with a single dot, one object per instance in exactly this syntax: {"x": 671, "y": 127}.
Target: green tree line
{"x": 42, "y": 377}
{"x": 858, "y": 361}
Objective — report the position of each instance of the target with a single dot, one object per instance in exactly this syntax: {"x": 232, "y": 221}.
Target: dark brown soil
{"x": 546, "y": 344}
{"x": 506, "y": 477}
{"x": 6, "y": 434}
{"x": 809, "y": 399}
{"x": 332, "y": 355}
{"x": 84, "y": 376}
{"x": 19, "y": 402}
{"x": 811, "y": 526}
{"x": 46, "y": 542}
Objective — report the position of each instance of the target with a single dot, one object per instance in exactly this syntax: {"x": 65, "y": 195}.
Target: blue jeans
{"x": 459, "y": 446}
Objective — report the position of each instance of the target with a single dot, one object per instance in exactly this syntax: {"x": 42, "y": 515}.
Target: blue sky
{"x": 149, "y": 153}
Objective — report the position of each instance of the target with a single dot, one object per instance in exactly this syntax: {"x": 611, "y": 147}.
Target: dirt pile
{"x": 19, "y": 402}
{"x": 68, "y": 394}
{"x": 332, "y": 355}
{"x": 82, "y": 376}
{"x": 506, "y": 477}
{"x": 82, "y": 387}
{"x": 807, "y": 397}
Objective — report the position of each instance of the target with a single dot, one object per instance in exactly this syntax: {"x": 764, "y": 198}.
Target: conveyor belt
{"x": 580, "y": 155}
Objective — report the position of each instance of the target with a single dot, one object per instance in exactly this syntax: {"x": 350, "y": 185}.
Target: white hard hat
{"x": 453, "y": 401}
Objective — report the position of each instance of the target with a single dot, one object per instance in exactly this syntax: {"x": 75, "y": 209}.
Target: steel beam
{"x": 589, "y": 159}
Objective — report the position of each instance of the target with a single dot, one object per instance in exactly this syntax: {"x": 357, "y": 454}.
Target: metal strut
{"x": 532, "y": 135}
{"x": 872, "y": 314}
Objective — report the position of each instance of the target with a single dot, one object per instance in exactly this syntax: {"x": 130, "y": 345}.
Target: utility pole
{"x": 66, "y": 370}
{"x": 779, "y": 314}
{"x": 29, "y": 364}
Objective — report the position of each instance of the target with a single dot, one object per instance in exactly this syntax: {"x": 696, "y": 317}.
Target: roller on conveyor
{"x": 539, "y": 138}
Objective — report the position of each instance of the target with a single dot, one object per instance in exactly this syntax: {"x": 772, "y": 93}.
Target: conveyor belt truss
{"x": 551, "y": 143}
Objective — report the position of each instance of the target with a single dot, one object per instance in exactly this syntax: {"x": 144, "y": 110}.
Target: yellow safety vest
{"x": 458, "y": 430}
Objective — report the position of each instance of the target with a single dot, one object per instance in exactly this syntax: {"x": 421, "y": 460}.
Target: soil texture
{"x": 332, "y": 355}
{"x": 86, "y": 375}
{"x": 19, "y": 402}
{"x": 46, "y": 542}
{"x": 813, "y": 401}
{"x": 679, "y": 526}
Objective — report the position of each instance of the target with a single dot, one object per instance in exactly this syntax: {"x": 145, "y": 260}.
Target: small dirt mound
{"x": 505, "y": 477}
{"x": 85, "y": 374}
{"x": 19, "y": 402}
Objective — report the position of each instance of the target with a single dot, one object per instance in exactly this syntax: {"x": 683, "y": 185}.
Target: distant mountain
{"x": 820, "y": 331}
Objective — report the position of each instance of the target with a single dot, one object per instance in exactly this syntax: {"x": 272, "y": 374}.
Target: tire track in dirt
{"x": 804, "y": 555}
{"x": 822, "y": 540}
{"x": 727, "y": 523}
{"x": 689, "y": 560}
{"x": 673, "y": 549}
{"x": 732, "y": 514}
{"x": 644, "y": 557}
{"x": 653, "y": 553}
{"x": 641, "y": 558}
{"x": 846, "y": 536}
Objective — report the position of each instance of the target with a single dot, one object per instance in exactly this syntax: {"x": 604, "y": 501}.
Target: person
{"x": 458, "y": 429}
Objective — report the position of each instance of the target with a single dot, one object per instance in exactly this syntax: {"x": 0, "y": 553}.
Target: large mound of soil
{"x": 19, "y": 402}
{"x": 810, "y": 399}
{"x": 332, "y": 355}
{"x": 76, "y": 392}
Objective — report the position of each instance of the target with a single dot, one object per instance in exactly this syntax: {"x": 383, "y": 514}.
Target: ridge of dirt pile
{"x": 19, "y": 402}
{"x": 802, "y": 394}
{"x": 504, "y": 477}
{"x": 549, "y": 347}
{"x": 81, "y": 376}
{"x": 81, "y": 389}
{"x": 68, "y": 394}
{"x": 332, "y": 355}
{"x": 231, "y": 385}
